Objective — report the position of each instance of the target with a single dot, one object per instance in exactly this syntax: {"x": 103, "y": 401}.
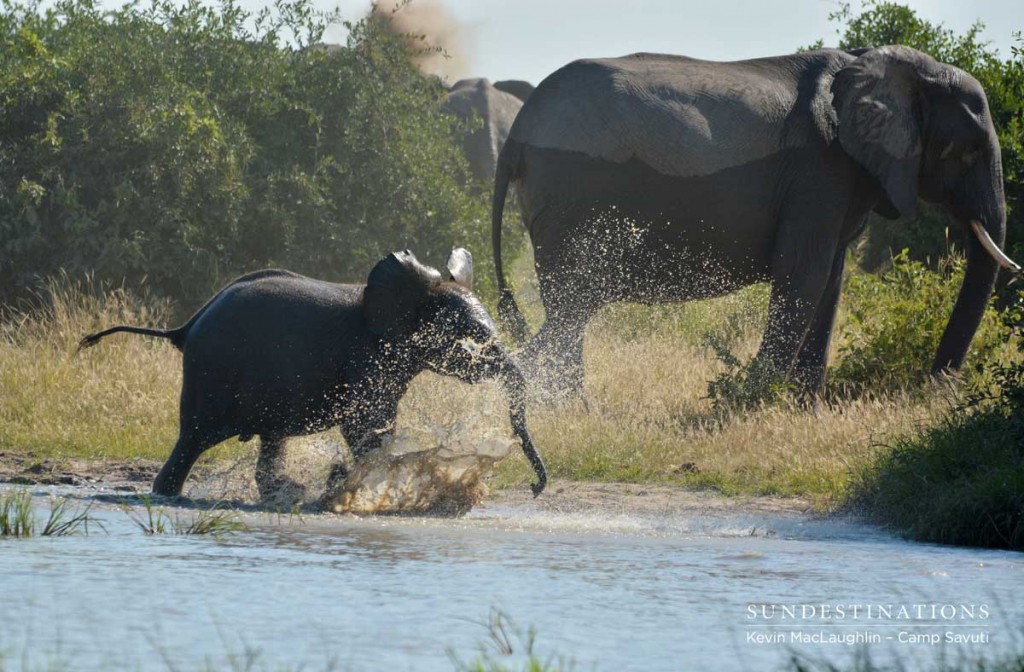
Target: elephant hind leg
{"x": 802, "y": 269}
{"x": 190, "y": 445}
{"x": 553, "y": 359}
{"x": 203, "y": 422}
{"x": 273, "y": 485}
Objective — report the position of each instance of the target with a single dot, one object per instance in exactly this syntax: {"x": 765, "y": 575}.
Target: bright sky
{"x": 529, "y": 39}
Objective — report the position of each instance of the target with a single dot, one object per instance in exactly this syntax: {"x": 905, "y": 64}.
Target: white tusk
{"x": 993, "y": 249}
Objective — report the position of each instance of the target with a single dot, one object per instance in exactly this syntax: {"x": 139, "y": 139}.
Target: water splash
{"x": 438, "y": 470}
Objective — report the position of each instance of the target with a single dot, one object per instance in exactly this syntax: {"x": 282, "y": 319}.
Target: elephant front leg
{"x": 364, "y": 433}
{"x": 801, "y": 272}
{"x": 273, "y": 485}
{"x": 812, "y": 360}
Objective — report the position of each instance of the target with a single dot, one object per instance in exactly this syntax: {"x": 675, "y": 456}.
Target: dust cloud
{"x": 447, "y": 49}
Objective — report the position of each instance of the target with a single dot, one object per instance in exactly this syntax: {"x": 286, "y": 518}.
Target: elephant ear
{"x": 395, "y": 290}
{"x": 877, "y": 99}
{"x": 517, "y": 87}
{"x": 460, "y": 267}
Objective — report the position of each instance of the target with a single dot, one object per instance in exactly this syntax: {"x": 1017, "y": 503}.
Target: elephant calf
{"x": 276, "y": 354}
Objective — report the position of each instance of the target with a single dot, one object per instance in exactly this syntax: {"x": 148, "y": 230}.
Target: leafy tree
{"x": 186, "y": 144}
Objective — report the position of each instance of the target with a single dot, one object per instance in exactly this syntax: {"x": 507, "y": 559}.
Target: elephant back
{"x": 680, "y": 116}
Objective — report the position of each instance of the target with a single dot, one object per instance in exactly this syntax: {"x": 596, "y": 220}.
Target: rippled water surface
{"x": 397, "y": 594}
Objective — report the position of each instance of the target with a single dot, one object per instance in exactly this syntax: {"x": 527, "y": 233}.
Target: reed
{"x": 214, "y": 520}
{"x": 18, "y": 518}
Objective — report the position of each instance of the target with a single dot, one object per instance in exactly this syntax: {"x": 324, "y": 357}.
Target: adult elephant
{"x": 655, "y": 178}
{"x": 497, "y": 109}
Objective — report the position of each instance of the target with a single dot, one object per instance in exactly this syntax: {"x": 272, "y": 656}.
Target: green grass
{"x": 961, "y": 480}
{"x": 18, "y": 518}
{"x": 506, "y": 642}
{"x": 958, "y": 482}
{"x": 863, "y": 663}
{"x": 214, "y": 521}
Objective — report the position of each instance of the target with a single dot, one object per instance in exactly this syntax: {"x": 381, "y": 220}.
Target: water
{"x": 609, "y": 592}
{"x": 440, "y": 469}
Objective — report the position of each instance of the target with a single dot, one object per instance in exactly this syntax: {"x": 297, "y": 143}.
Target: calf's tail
{"x": 173, "y": 335}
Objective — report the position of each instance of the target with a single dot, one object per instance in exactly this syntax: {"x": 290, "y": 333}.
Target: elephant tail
{"x": 175, "y": 336}
{"x": 508, "y": 312}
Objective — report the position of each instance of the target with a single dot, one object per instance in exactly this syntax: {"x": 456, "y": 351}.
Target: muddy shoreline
{"x": 573, "y": 497}
{"x": 122, "y": 475}
{"x": 561, "y": 497}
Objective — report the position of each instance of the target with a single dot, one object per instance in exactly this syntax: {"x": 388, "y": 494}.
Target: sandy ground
{"x": 561, "y": 497}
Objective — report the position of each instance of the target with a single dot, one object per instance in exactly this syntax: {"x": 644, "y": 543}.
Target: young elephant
{"x": 276, "y": 354}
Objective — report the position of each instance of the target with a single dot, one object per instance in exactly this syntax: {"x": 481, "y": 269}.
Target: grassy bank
{"x": 646, "y": 417}
{"x": 960, "y": 481}
{"x": 119, "y": 402}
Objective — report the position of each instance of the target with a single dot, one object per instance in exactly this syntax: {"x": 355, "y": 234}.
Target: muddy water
{"x": 622, "y": 592}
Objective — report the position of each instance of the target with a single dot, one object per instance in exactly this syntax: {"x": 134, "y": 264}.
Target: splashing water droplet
{"x": 437, "y": 470}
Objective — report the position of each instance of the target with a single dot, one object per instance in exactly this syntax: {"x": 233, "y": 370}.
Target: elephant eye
{"x": 970, "y": 156}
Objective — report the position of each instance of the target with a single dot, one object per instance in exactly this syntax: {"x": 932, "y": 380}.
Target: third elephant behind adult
{"x": 478, "y": 101}
{"x": 656, "y": 178}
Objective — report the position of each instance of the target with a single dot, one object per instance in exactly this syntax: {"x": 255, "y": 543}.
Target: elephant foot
{"x": 280, "y": 491}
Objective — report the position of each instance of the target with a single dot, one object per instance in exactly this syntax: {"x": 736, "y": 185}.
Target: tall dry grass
{"x": 645, "y": 417}
{"x": 117, "y": 401}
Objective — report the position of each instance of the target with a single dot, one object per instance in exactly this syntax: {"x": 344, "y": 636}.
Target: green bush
{"x": 961, "y": 481}
{"x": 892, "y": 324}
{"x": 186, "y": 144}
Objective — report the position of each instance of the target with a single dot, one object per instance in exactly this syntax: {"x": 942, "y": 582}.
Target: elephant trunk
{"x": 515, "y": 389}
{"x": 984, "y": 257}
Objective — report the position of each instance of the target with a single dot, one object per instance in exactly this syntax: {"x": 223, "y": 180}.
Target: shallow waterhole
{"x": 613, "y": 591}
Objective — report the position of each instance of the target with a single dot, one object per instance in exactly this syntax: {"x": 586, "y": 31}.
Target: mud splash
{"x": 437, "y": 471}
